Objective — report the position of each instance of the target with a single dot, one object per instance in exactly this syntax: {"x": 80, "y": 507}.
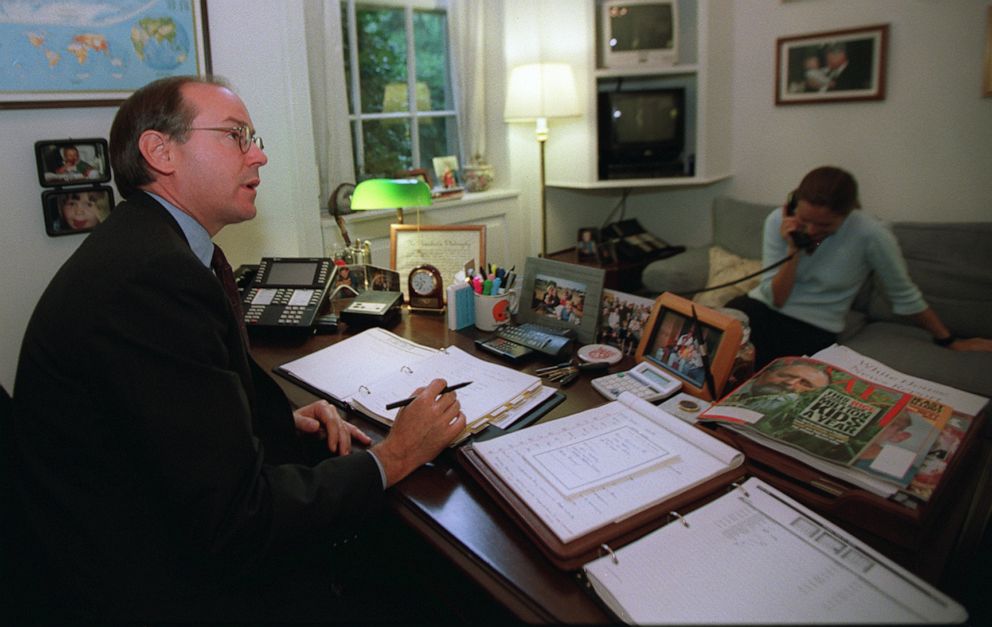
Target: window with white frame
{"x": 397, "y": 65}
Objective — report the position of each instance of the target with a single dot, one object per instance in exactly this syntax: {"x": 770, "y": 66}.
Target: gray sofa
{"x": 950, "y": 262}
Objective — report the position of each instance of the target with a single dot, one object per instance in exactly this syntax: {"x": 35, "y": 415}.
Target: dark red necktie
{"x": 223, "y": 271}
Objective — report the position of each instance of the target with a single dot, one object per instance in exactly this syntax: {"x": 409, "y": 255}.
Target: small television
{"x": 641, "y": 133}
{"x": 639, "y": 33}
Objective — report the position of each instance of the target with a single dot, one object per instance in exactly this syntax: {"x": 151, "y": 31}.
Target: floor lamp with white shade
{"x": 538, "y": 91}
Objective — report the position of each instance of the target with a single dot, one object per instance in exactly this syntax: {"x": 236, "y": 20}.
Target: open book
{"x": 374, "y": 368}
{"x": 755, "y": 556}
{"x": 865, "y": 432}
{"x": 604, "y": 475}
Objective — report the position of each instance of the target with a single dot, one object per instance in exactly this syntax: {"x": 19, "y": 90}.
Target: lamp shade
{"x": 541, "y": 90}
{"x": 390, "y": 194}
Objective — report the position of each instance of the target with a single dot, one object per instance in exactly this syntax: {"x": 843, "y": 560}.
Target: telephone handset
{"x": 287, "y": 293}
{"x": 801, "y": 239}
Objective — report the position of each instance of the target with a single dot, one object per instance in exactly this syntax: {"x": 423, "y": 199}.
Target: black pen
{"x": 407, "y": 401}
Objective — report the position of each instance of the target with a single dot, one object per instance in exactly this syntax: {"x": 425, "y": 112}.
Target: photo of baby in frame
{"x": 76, "y": 210}
{"x": 586, "y": 243}
{"x": 72, "y": 162}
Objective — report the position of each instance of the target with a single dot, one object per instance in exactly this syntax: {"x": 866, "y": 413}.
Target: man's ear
{"x": 156, "y": 148}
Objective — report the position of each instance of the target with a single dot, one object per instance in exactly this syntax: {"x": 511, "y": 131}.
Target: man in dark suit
{"x": 163, "y": 472}
{"x": 848, "y": 66}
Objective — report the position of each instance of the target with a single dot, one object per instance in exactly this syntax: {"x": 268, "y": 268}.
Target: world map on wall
{"x": 98, "y": 45}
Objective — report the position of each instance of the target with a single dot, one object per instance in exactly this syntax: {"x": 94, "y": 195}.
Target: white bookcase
{"x": 703, "y": 68}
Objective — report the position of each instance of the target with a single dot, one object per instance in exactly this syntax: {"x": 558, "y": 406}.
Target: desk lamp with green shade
{"x": 391, "y": 194}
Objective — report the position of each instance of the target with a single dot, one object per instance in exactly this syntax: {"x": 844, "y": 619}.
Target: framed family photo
{"x": 832, "y": 66}
{"x": 79, "y": 210}
{"x": 95, "y": 54}
{"x": 72, "y": 161}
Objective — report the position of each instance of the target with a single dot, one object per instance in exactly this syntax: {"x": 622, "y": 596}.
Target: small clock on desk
{"x": 426, "y": 289}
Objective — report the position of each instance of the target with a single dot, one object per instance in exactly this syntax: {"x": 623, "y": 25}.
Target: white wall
{"x": 923, "y": 153}
{"x": 259, "y": 47}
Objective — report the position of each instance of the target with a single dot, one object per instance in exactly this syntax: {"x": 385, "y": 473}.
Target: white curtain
{"x": 328, "y": 96}
{"x": 466, "y": 29}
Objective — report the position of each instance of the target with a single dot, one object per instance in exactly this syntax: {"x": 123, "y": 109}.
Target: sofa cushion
{"x": 739, "y": 226}
{"x": 910, "y": 350}
{"x": 724, "y": 268}
{"x": 950, "y": 263}
{"x": 685, "y": 272}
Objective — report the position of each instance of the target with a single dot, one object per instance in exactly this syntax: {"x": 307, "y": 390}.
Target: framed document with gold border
{"x": 446, "y": 247}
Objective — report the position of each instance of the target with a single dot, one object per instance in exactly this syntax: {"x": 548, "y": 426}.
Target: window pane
{"x": 381, "y": 53}
{"x": 387, "y": 147}
{"x": 430, "y": 38}
{"x": 438, "y": 138}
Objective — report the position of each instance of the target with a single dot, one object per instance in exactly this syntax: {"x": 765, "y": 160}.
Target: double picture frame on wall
{"x": 74, "y": 173}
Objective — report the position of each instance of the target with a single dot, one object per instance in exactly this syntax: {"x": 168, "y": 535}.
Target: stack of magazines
{"x": 855, "y": 419}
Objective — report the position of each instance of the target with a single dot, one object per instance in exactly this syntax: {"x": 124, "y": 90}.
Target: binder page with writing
{"x": 494, "y": 387}
{"x": 605, "y": 494}
{"x": 342, "y": 368}
{"x": 756, "y": 556}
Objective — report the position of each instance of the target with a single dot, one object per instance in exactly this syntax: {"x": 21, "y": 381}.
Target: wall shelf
{"x": 674, "y": 181}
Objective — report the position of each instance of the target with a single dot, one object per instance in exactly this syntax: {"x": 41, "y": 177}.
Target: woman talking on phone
{"x": 800, "y": 307}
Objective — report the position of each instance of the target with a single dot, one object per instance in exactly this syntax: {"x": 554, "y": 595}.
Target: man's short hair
{"x": 158, "y": 106}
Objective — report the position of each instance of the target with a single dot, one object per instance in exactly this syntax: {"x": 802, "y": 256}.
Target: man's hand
{"x": 322, "y": 419}
{"x": 421, "y": 430}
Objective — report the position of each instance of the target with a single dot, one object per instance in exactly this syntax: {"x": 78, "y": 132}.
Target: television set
{"x": 642, "y": 133}
{"x": 639, "y": 33}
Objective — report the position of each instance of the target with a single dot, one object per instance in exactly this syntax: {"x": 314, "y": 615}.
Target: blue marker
{"x": 496, "y": 283}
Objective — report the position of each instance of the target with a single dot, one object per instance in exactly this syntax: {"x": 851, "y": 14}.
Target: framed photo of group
{"x": 831, "y": 66}
{"x": 68, "y": 56}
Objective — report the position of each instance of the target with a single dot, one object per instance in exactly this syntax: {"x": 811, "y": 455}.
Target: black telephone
{"x": 287, "y": 293}
{"x": 801, "y": 239}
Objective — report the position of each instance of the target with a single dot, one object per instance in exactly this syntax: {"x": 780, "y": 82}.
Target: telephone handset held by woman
{"x": 801, "y": 239}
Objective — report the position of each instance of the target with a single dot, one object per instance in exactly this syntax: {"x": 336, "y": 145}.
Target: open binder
{"x": 368, "y": 371}
{"x": 756, "y": 556}
{"x": 572, "y": 513}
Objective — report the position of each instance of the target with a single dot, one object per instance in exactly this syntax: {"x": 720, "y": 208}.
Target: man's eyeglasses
{"x": 245, "y": 136}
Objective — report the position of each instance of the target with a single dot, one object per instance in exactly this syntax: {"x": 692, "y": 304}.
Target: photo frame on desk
{"x": 562, "y": 295}
{"x": 671, "y": 341}
{"x": 446, "y": 247}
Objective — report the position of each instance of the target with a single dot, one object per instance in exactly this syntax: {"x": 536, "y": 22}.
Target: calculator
{"x": 643, "y": 380}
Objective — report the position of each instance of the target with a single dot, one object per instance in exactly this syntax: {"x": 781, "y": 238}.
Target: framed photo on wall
{"x": 78, "y": 210}
{"x": 61, "y": 56}
{"x": 72, "y": 161}
{"x": 832, "y": 66}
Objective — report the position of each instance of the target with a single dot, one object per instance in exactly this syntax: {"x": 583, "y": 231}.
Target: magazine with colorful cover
{"x": 825, "y": 412}
{"x": 965, "y": 407}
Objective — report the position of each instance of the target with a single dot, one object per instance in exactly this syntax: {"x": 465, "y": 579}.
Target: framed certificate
{"x": 448, "y": 248}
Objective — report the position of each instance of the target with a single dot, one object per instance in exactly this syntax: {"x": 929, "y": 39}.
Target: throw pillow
{"x": 724, "y": 268}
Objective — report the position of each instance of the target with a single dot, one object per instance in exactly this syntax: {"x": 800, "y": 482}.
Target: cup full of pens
{"x": 495, "y": 299}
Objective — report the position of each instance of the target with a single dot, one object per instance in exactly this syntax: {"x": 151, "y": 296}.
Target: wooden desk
{"x": 450, "y": 510}
{"x": 454, "y": 514}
